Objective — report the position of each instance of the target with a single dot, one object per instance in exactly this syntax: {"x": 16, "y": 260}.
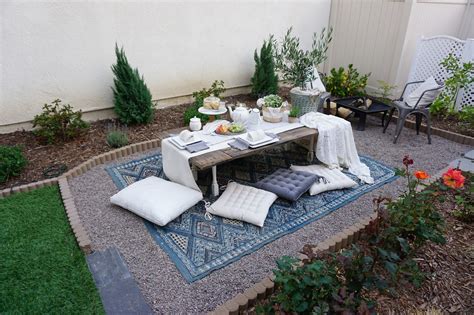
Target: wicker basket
{"x": 305, "y": 101}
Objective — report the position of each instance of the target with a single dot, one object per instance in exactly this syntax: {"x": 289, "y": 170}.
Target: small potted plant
{"x": 271, "y": 105}
{"x": 299, "y": 67}
{"x": 293, "y": 115}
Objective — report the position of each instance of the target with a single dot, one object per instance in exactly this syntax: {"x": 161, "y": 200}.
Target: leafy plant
{"x": 385, "y": 92}
{"x": 12, "y": 162}
{"x": 305, "y": 289}
{"x": 294, "y": 112}
{"x": 117, "y": 138}
{"x": 216, "y": 89}
{"x": 59, "y": 122}
{"x": 343, "y": 83}
{"x": 272, "y": 100}
{"x": 132, "y": 98}
{"x": 264, "y": 80}
{"x": 296, "y": 64}
{"x": 461, "y": 75}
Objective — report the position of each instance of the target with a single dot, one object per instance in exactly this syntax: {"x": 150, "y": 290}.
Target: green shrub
{"x": 59, "y": 122}
{"x": 216, "y": 89}
{"x": 345, "y": 83}
{"x": 132, "y": 99}
{"x": 117, "y": 138}
{"x": 461, "y": 75}
{"x": 272, "y": 101}
{"x": 264, "y": 80}
{"x": 305, "y": 289}
{"x": 12, "y": 162}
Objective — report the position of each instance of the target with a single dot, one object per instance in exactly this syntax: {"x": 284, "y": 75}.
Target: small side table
{"x": 376, "y": 107}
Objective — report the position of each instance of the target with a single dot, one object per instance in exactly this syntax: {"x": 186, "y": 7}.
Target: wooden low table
{"x": 212, "y": 159}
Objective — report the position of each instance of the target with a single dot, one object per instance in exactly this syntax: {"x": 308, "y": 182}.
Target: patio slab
{"x": 117, "y": 288}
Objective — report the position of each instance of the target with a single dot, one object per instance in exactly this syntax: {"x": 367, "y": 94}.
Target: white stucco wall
{"x": 64, "y": 49}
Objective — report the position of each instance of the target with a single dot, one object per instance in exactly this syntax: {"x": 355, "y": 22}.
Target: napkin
{"x": 186, "y": 136}
{"x": 256, "y": 135}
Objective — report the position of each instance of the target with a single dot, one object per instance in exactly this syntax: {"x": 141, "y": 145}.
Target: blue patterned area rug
{"x": 198, "y": 246}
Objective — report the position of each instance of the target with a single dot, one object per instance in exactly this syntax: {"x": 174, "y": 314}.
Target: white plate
{"x": 253, "y": 143}
{"x": 264, "y": 143}
{"x": 206, "y": 111}
{"x": 180, "y": 142}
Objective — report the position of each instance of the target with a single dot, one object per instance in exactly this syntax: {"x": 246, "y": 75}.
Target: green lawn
{"x": 42, "y": 270}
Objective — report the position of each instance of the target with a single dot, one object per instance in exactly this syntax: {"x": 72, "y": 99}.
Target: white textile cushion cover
{"x": 428, "y": 97}
{"x": 335, "y": 179}
{"x": 157, "y": 200}
{"x": 243, "y": 203}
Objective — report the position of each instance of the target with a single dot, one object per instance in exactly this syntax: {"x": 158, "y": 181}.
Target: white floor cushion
{"x": 243, "y": 203}
{"x": 335, "y": 179}
{"x": 157, "y": 200}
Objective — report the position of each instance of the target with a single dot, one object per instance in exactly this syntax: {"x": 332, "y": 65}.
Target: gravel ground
{"x": 161, "y": 283}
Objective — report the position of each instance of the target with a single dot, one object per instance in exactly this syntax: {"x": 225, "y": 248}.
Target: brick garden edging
{"x": 242, "y": 302}
{"x": 455, "y": 137}
{"x": 68, "y": 200}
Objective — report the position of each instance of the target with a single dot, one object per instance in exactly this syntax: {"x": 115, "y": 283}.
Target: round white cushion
{"x": 244, "y": 203}
{"x": 335, "y": 179}
{"x": 157, "y": 200}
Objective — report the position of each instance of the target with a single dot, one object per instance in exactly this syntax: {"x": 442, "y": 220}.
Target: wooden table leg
{"x": 312, "y": 142}
{"x": 212, "y": 118}
{"x": 215, "y": 185}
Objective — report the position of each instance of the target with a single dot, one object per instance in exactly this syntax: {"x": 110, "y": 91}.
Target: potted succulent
{"x": 271, "y": 108}
{"x": 298, "y": 67}
{"x": 293, "y": 115}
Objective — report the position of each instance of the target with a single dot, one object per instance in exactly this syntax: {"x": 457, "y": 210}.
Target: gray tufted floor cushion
{"x": 288, "y": 184}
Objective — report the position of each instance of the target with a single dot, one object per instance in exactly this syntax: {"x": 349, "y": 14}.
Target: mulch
{"x": 450, "y": 267}
{"x": 453, "y": 124}
{"x": 93, "y": 142}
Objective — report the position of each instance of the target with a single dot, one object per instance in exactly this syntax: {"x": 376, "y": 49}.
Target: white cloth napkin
{"x": 186, "y": 136}
{"x": 256, "y": 135}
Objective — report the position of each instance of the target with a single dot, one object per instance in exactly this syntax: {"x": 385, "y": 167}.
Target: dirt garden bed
{"x": 41, "y": 156}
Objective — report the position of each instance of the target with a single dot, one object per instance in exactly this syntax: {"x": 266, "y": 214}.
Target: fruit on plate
{"x": 236, "y": 128}
{"x": 230, "y": 128}
{"x": 222, "y": 129}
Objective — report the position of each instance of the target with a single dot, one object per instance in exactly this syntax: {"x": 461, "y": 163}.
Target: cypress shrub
{"x": 132, "y": 99}
{"x": 264, "y": 80}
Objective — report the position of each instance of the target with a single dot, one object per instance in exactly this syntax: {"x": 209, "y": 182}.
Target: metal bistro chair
{"x": 404, "y": 110}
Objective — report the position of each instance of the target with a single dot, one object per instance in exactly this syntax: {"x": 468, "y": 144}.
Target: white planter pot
{"x": 272, "y": 114}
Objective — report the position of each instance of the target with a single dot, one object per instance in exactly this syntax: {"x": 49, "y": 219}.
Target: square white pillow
{"x": 244, "y": 203}
{"x": 428, "y": 97}
{"x": 157, "y": 200}
{"x": 335, "y": 179}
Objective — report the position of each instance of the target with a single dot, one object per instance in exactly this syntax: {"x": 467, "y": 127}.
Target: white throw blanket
{"x": 335, "y": 146}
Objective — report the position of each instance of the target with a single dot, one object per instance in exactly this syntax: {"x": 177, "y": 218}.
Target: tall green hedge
{"x": 264, "y": 80}
{"x": 132, "y": 99}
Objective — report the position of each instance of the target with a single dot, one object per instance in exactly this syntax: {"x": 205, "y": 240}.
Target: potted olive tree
{"x": 298, "y": 67}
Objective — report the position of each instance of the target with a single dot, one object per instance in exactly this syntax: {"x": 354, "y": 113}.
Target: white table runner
{"x": 176, "y": 162}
